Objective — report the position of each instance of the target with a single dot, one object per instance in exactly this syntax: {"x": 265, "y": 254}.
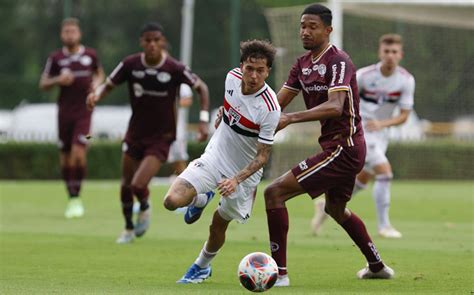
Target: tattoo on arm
{"x": 263, "y": 153}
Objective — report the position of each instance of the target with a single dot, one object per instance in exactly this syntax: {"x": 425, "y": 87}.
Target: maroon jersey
{"x": 332, "y": 70}
{"x": 152, "y": 91}
{"x": 83, "y": 65}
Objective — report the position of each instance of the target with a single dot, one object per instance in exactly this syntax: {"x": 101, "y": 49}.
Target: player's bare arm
{"x": 100, "y": 92}
{"x": 203, "y": 91}
{"x": 98, "y": 78}
{"x": 285, "y": 96}
{"x": 375, "y": 125}
{"x": 329, "y": 109}
{"x": 227, "y": 186}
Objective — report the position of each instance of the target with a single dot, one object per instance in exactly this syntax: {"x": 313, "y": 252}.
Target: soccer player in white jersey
{"x": 234, "y": 158}
{"x": 178, "y": 155}
{"x": 383, "y": 87}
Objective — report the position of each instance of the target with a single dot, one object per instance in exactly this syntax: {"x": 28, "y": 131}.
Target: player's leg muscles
{"x": 217, "y": 231}
{"x": 180, "y": 194}
{"x": 78, "y": 155}
{"x": 282, "y": 189}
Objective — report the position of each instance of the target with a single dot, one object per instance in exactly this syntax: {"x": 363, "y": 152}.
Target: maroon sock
{"x": 66, "y": 173}
{"x": 142, "y": 196}
{"x": 358, "y": 233}
{"x": 126, "y": 197}
{"x": 78, "y": 176}
{"x": 278, "y": 224}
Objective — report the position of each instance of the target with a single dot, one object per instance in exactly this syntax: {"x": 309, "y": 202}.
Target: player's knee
{"x": 336, "y": 211}
{"x": 271, "y": 196}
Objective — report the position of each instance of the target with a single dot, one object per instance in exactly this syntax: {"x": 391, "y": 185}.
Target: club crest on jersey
{"x": 321, "y": 69}
{"x": 138, "y": 74}
{"x": 234, "y": 117}
{"x": 151, "y": 72}
{"x": 163, "y": 77}
{"x": 85, "y": 60}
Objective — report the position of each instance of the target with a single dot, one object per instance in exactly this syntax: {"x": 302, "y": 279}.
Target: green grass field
{"x": 43, "y": 253}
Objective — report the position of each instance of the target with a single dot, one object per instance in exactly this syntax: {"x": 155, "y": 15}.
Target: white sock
{"x": 199, "y": 201}
{"x": 205, "y": 257}
{"x": 358, "y": 186}
{"x": 381, "y": 195}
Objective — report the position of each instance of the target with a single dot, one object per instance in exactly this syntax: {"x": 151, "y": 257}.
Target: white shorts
{"x": 178, "y": 151}
{"x": 205, "y": 177}
{"x": 376, "y": 149}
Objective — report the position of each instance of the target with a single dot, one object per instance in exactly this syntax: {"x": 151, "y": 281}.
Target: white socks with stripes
{"x": 199, "y": 201}
{"x": 381, "y": 195}
{"x": 205, "y": 257}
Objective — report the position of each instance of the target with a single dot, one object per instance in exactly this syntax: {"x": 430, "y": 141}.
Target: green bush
{"x": 426, "y": 160}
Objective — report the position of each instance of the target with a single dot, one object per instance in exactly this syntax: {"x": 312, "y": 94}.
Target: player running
{"x": 235, "y": 155}
{"x": 76, "y": 70}
{"x": 327, "y": 78}
{"x": 153, "y": 79}
{"x": 383, "y": 87}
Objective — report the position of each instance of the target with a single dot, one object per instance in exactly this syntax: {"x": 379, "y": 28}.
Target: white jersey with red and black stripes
{"x": 380, "y": 95}
{"x": 247, "y": 119}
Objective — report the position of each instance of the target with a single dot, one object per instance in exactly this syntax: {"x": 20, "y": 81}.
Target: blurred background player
{"x": 383, "y": 87}
{"x": 153, "y": 79}
{"x": 178, "y": 155}
{"x": 76, "y": 70}
{"x": 327, "y": 78}
{"x": 234, "y": 158}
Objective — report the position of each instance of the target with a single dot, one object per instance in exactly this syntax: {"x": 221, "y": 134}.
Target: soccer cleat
{"x": 385, "y": 273}
{"x": 195, "y": 275}
{"x": 319, "y": 216}
{"x": 143, "y": 222}
{"x": 193, "y": 213}
{"x": 126, "y": 237}
{"x": 282, "y": 281}
{"x": 74, "y": 208}
{"x": 390, "y": 233}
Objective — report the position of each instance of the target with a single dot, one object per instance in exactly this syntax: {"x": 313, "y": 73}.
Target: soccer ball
{"x": 258, "y": 272}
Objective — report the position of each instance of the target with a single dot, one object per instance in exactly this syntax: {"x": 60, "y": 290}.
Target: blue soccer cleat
{"x": 195, "y": 275}
{"x": 193, "y": 213}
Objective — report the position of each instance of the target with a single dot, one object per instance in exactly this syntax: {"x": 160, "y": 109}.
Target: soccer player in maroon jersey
{"x": 153, "y": 79}
{"x": 76, "y": 70}
{"x": 327, "y": 78}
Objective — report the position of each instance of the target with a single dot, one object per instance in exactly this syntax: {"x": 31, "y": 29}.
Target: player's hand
{"x": 91, "y": 101}
{"x": 220, "y": 114}
{"x": 203, "y": 131}
{"x": 227, "y": 187}
{"x": 66, "y": 77}
{"x": 284, "y": 121}
{"x": 373, "y": 125}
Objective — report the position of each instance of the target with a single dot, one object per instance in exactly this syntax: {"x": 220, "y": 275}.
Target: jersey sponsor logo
{"x": 64, "y": 62}
{"x": 343, "y": 72}
{"x": 230, "y": 92}
{"x": 85, "y": 60}
{"x": 334, "y": 73}
{"x": 163, "y": 77}
{"x": 374, "y": 251}
{"x": 306, "y": 71}
{"x": 151, "y": 72}
{"x": 138, "y": 74}
{"x": 234, "y": 116}
{"x": 137, "y": 90}
{"x": 303, "y": 165}
{"x": 316, "y": 88}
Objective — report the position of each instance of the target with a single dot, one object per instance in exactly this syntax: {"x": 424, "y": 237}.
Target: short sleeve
{"x": 119, "y": 74}
{"x": 268, "y": 127}
{"x": 188, "y": 77}
{"x": 51, "y": 68}
{"x": 293, "y": 83}
{"x": 407, "y": 96}
{"x": 340, "y": 74}
{"x": 185, "y": 91}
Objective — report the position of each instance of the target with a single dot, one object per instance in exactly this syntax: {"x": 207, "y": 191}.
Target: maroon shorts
{"x": 73, "y": 131}
{"x": 139, "y": 149}
{"x": 332, "y": 171}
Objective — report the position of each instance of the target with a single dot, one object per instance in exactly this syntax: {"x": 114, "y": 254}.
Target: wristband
{"x": 204, "y": 116}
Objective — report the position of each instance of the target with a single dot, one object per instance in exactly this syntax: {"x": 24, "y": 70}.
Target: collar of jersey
{"x": 162, "y": 62}
{"x": 317, "y": 58}
{"x": 66, "y": 52}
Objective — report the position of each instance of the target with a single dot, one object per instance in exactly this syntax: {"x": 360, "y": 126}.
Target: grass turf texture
{"x": 43, "y": 253}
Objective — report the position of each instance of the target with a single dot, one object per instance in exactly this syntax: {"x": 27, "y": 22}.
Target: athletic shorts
{"x": 205, "y": 177}
{"x": 178, "y": 151}
{"x": 73, "y": 131}
{"x": 376, "y": 149}
{"x": 139, "y": 149}
{"x": 331, "y": 172}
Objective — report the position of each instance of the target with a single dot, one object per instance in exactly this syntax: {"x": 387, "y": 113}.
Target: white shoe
{"x": 385, "y": 273}
{"x": 319, "y": 216}
{"x": 390, "y": 233}
{"x": 74, "y": 208}
{"x": 143, "y": 222}
{"x": 126, "y": 237}
{"x": 282, "y": 281}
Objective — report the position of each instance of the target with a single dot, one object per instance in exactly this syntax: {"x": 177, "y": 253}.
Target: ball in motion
{"x": 258, "y": 272}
